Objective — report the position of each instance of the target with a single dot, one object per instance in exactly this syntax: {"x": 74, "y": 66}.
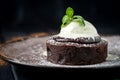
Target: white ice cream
{"x": 75, "y": 30}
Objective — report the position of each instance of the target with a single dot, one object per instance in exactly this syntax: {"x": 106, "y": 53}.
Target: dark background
{"x": 23, "y": 17}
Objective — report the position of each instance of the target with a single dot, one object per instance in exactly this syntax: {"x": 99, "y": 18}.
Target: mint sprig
{"x": 69, "y": 17}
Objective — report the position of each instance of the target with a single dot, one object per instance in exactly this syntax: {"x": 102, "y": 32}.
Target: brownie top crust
{"x": 71, "y": 42}
{"x": 78, "y": 40}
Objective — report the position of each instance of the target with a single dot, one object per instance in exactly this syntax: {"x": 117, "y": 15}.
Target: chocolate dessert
{"x": 78, "y": 42}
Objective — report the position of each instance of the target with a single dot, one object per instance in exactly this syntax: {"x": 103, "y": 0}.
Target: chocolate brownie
{"x": 77, "y": 43}
{"x": 73, "y": 53}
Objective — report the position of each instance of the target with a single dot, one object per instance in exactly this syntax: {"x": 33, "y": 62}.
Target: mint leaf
{"x": 69, "y": 17}
{"x": 79, "y": 19}
{"x": 65, "y": 20}
{"x": 69, "y": 12}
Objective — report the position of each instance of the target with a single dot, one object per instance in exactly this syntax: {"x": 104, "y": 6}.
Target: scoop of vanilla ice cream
{"x": 75, "y": 30}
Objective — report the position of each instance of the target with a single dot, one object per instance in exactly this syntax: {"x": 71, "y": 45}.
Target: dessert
{"x": 78, "y": 42}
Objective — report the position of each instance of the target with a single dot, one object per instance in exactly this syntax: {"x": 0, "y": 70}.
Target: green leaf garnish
{"x": 69, "y": 17}
{"x": 65, "y": 20}
{"x": 69, "y": 11}
{"x": 79, "y": 19}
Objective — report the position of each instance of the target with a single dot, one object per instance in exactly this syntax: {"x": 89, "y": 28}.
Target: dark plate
{"x": 31, "y": 51}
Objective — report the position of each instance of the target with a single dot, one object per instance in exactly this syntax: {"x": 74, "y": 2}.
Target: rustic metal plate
{"x": 31, "y": 51}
